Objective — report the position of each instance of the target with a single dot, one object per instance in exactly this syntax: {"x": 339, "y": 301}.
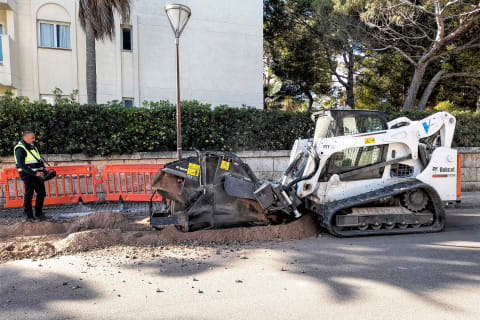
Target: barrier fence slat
{"x": 125, "y": 172}
{"x": 48, "y": 189}
{"x": 131, "y": 182}
{"x": 144, "y": 182}
{"x": 138, "y": 183}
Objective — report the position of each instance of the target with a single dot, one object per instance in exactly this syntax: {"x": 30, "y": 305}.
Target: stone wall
{"x": 265, "y": 164}
{"x": 470, "y": 168}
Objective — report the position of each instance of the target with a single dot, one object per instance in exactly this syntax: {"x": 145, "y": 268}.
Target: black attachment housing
{"x": 210, "y": 190}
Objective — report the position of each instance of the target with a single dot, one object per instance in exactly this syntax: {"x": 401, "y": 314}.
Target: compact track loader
{"x": 359, "y": 174}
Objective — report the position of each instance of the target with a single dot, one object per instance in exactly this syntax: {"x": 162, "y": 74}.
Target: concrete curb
{"x": 469, "y": 200}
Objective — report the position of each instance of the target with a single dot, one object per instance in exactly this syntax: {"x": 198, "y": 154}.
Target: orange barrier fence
{"x": 131, "y": 182}
{"x": 70, "y": 184}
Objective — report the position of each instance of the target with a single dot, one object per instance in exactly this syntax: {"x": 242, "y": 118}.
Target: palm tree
{"x": 98, "y": 21}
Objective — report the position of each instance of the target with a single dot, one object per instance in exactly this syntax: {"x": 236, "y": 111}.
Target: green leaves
{"x": 113, "y": 129}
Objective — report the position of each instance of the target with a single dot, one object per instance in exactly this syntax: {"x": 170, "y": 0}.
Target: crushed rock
{"x": 46, "y": 239}
{"x": 27, "y": 247}
{"x": 99, "y": 220}
{"x": 31, "y": 229}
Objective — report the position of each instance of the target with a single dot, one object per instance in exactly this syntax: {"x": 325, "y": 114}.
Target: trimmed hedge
{"x": 113, "y": 129}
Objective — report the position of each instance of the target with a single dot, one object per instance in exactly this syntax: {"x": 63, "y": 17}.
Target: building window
{"x": 127, "y": 38}
{"x": 128, "y": 102}
{"x": 1, "y": 49}
{"x": 54, "y": 35}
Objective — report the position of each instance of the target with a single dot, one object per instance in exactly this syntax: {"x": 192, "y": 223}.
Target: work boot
{"x": 41, "y": 217}
{"x": 29, "y": 219}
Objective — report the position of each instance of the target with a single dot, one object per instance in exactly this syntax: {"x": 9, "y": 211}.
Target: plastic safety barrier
{"x": 70, "y": 184}
{"x": 131, "y": 182}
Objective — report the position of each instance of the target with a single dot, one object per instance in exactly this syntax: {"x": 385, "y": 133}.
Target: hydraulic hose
{"x": 294, "y": 163}
{"x": 311, "y": 174}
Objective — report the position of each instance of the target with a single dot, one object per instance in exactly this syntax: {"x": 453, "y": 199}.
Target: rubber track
{"x": 328, "y": 211}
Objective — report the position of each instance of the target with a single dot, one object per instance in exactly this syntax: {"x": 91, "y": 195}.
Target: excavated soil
{"x": 46, "y": 239}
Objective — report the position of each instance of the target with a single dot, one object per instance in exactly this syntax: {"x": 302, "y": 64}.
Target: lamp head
{"x": 178, "y": 15}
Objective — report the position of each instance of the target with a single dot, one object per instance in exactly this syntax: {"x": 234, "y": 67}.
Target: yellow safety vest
{"x": 29, "y": 159}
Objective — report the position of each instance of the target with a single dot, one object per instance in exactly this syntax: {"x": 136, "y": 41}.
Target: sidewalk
{"x": 469, "y": 200}
{"x": 134, "y": 210}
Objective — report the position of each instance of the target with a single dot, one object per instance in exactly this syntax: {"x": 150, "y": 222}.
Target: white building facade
{"x": 221, "y": 50}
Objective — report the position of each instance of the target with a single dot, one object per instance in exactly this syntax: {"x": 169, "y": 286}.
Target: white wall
{"x": 221, "y": 53}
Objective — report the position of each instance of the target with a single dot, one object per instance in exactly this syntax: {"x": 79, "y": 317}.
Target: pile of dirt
{"x": 99, "y": 220}
{"x": 304, "y": 227}
{"x": 27, "y": 247}
{"x": 110, "y": 228}
{"x": 32, "y": 229}
{"x": 85, "y": 240}
{"x": 81, "y": 241}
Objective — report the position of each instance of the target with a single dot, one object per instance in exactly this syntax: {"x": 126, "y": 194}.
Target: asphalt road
{"x": 426, "y": 276}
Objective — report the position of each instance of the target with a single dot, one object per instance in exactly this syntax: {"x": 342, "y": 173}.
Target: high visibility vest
{"x": 30, "y": 160}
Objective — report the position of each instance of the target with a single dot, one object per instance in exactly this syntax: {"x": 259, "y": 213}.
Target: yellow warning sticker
{"x": 193, "y": 169}
{"x": 225, "y": 165}
{"x": 369, "y": 140}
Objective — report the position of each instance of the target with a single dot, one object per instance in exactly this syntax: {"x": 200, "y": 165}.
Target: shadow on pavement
{"x": 175, "y": 267}
{"x": 29, "y": 292}
{"x": 419, "y": 264}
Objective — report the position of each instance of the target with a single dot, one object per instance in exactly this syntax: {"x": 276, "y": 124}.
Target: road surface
{"x": 426, "y": 276}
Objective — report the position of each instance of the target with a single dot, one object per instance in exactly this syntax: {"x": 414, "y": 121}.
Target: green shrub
{"x": 445, "y": 106}
{"x": 113, "y": 129}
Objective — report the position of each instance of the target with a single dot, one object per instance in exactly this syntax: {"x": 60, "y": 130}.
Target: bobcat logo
{"x": 426, "y": 125}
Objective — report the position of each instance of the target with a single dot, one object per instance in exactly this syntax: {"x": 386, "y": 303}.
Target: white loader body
{"x": 364, "y": 175}
{"x": 401, "y": 142}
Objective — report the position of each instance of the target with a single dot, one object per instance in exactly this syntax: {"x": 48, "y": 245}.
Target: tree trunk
{"x": 91, "y": 64}
{"x": 310, "y": 99}
{"x": 350, "y": 79}
{"x": 348, "y": 85}
{"x": 350, "y": 96}
{"x": 414, "y": 86}
{"x": 428, "y": 90}
{"x": 478, "y": 104}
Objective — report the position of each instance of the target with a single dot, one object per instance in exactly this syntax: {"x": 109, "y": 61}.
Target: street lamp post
{"x": 178, "y": 15}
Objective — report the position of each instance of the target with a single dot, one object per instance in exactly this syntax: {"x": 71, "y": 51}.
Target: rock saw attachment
{"x": 210, "y": 190}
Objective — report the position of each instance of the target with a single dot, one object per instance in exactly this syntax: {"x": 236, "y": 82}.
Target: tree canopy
{"x": 399, "y": 54}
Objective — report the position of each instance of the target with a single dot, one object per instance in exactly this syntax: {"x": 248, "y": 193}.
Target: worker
{"x": 31, "y": 170}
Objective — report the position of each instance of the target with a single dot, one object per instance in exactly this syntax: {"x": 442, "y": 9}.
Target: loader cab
{"x": 337, "y": 123}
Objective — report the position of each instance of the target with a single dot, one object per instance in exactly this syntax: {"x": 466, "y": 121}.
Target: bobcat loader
{"x": 359, "y": 175}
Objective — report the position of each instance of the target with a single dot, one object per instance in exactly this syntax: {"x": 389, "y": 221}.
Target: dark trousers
{"x": 33, "y": 184}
